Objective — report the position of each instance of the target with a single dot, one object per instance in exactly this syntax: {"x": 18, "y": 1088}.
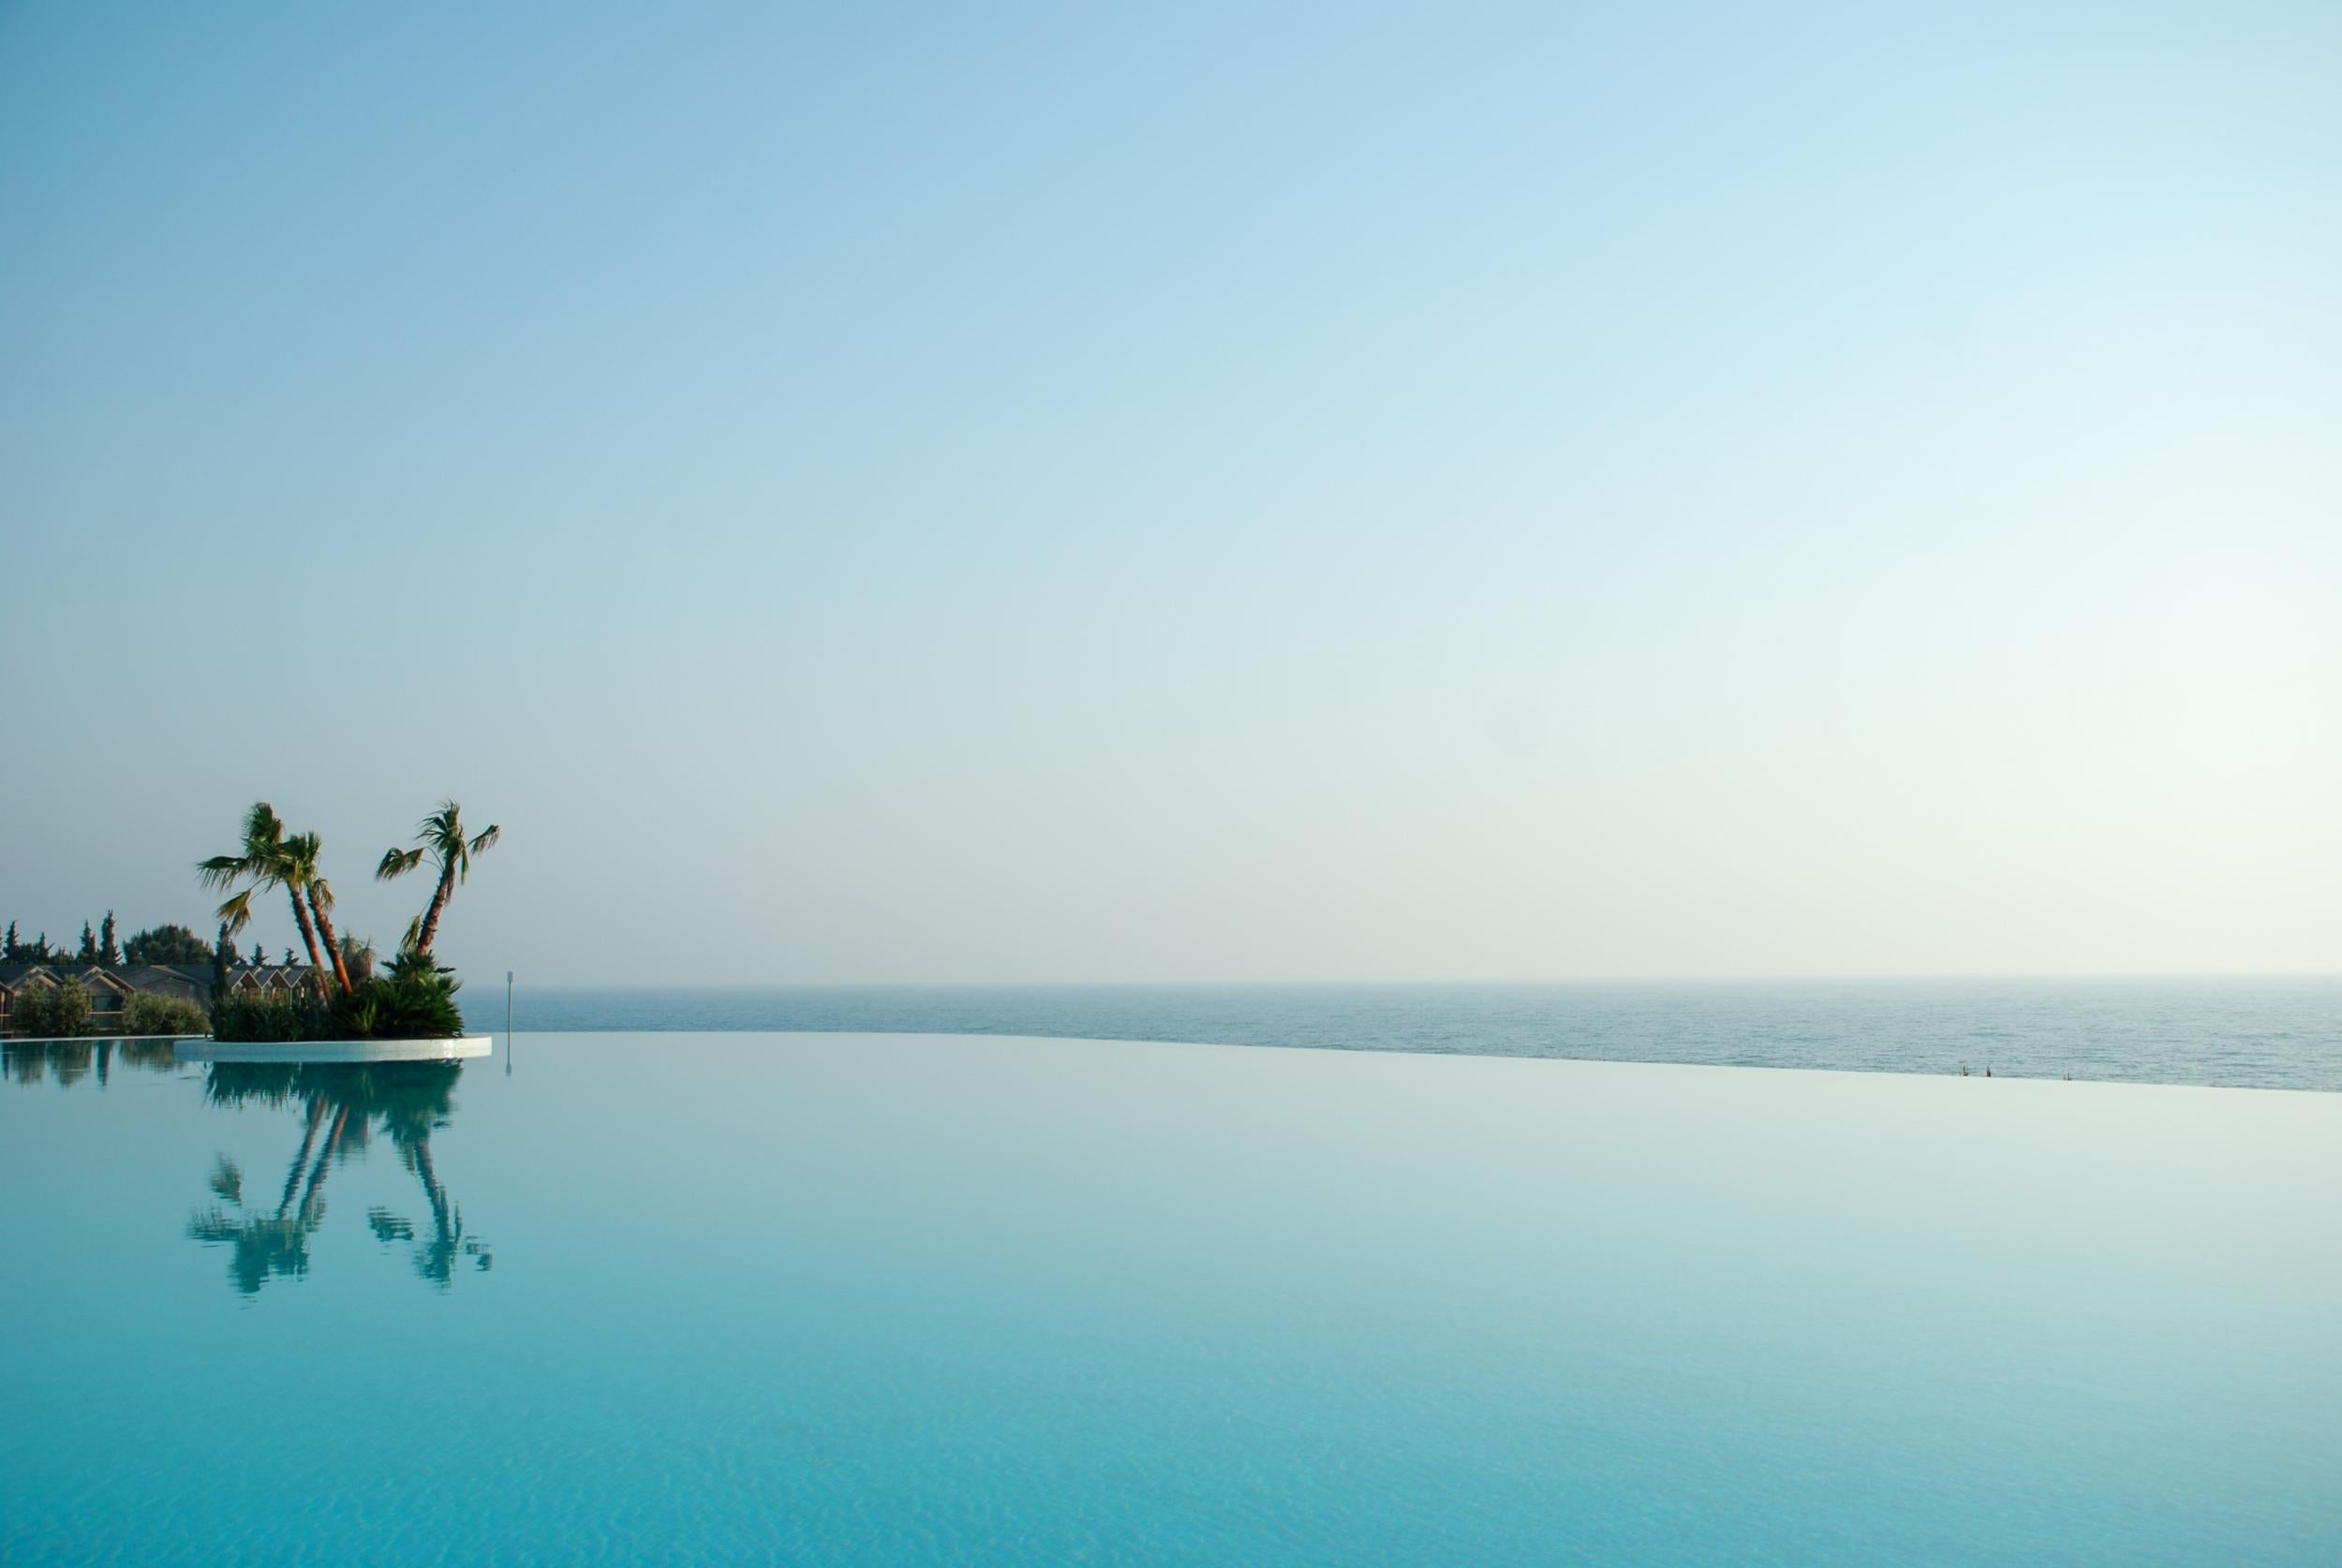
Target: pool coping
{"x": 455, "y": 1048}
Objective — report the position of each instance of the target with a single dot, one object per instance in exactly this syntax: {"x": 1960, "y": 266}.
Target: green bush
{"x": 30, "y": 1012}
{"x": 50, "y": 1011}
{"x": 277, "y": 1017}
{"x": 415, "y": 1000}
{"x": 400, "y": 1010}
{"x": 146, "y": 1014}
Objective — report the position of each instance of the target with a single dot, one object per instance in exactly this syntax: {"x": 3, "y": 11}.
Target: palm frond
{"x": 397, "y": 863}
{"x": 223, "y": 870}
{"x": 296, "y": 864}
{"x": 263, "y": 830}
{"x": 237, "y": 911}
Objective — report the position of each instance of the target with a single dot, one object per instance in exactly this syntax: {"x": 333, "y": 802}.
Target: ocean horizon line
{"x": 1817, "y": 978}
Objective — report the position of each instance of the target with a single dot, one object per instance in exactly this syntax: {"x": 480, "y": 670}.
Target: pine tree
{"x": 223, "y": 959}
{"x": 7, "y": 954}
{"x": 108, "y": 951}
{"x": 89, "y": 945}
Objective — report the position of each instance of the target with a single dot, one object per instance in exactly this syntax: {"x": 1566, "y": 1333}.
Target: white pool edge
{"x": 295, "y": 1051}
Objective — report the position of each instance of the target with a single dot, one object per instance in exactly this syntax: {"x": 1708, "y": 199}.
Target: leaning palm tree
{"x": 265, "y": 862}
{"x": 439, "y": 838}
{"x": 301, "y": 853}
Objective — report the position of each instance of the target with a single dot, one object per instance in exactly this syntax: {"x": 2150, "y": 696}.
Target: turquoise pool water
{"x": 837, "y": 1298}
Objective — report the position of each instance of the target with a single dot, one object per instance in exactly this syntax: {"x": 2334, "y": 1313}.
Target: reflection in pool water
{"x": 70, "y": 1061}
{"x": 342, "y": 1106}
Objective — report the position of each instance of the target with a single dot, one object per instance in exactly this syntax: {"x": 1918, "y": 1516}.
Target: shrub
{"x": 51, "y": 1011}
{"x": 30, "y": 1014}
{"x": 146, "y": 1014}
{"x": 275, "y": 1018}
{"x": 416, "y": 1000}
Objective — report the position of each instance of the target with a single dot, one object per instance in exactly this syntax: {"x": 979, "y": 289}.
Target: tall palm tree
{"x": 300, "y": 854}
{"x": 264, "y": 864}
{"x": 441, "y": 837}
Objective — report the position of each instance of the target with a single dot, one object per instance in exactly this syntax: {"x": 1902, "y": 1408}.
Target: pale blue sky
{"x": 973, "y": 493}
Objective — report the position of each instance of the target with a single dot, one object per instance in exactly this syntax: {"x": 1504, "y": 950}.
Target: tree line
{"x": 166, "y": 943}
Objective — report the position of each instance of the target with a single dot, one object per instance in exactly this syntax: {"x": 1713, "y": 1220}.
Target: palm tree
{"x": 440, "y": 836}
{"x": 301, "y": 853}
{"x": 265, "y": 862}
{"x": 358, "y": 957}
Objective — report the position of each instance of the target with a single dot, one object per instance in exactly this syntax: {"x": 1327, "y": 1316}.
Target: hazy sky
{"x": 971, "y": 492}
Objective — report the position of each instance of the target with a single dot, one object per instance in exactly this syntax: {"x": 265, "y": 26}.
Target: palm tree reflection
{"x": 343, "y": 1105}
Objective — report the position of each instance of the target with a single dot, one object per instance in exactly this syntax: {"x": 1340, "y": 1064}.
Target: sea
{"x": 2219, "y": 1031}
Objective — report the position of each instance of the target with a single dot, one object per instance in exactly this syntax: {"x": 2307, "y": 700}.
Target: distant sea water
{"x": 2231, "y": 1032}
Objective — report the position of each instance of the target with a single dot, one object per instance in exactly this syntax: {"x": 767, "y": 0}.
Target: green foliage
{"x": 15, "y": 952}
{"x": 148, "y": 1014}
{"x": 273, "y": 1017}
{"x": 168, "y": 945}
{"x": 88, "y": 953}
{"x": 50, "y": 1011}
{"x": 396, "y": 1009}
{"x": 413, "y": 1001}
{"x": 72, "y": 1009}
{"x": 30, "y": 1014}
{"x": 108, "y": 951}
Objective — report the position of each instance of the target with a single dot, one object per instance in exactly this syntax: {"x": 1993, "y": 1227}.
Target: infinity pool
{"x": 839, "y": 1298}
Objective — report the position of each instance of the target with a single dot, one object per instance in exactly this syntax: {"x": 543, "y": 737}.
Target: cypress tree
{"x": 89, "y": 945}
{"x": 7, "y": 954}
{"x": 108, "y": 951}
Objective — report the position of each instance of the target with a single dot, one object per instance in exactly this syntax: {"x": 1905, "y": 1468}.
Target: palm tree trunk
{"x": 301, "y": 1161}
{"x": 333, "y": 943}
{"x": 309, "y": 933}
{"x": 439, "y": 903}
{"x": 325, "y": 1158}
{"x": 433, "y": 1192}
